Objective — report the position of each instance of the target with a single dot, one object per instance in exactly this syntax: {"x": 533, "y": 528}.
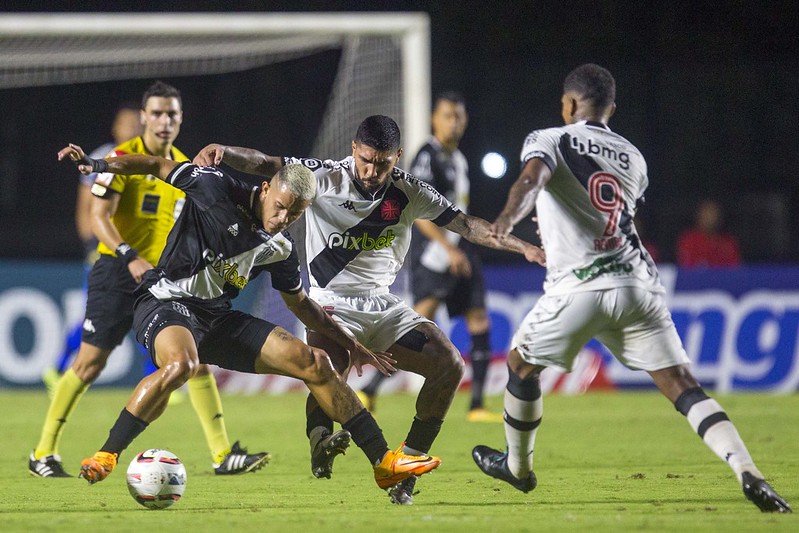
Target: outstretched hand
{"x": 210, "y": 156}
{"x": 361, "y": 355}
{"x": 501, "y": 227}
{"x": 459, "y": 264}
{"x": 534, "y": 254}
{"x": 75, "y": 153}
{"x": 138, "y": 267}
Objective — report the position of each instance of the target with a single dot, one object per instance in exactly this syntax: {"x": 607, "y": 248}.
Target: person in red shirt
{"x": 706, "y": 244}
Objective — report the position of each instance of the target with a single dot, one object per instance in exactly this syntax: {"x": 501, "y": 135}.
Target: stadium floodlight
{"x": 384, "y": 67}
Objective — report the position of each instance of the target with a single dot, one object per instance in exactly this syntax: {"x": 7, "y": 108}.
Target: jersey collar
{"x": 595, "y": 124}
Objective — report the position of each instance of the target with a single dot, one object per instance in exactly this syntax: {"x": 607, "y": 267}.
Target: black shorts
{"x": 109, "y": 303}
{"x": 459, "y": 294}
{"x": 224, "y": 337}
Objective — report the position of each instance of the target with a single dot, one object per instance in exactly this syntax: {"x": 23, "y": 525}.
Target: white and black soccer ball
{"x": 156, "y": 478}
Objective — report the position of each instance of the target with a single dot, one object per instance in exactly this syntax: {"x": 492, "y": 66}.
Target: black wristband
{"x": 126, "y": 252}
{"x": 98, "y": 165}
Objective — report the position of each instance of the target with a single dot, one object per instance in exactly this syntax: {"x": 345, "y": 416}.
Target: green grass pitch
{"x": 605, "y": 462}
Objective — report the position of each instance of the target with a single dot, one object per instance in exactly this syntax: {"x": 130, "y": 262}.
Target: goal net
{"x": 384, "y": 68}
{"x": 385, "y": 65}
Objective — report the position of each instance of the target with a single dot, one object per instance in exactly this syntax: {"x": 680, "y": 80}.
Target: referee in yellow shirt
{"x": 131, "y": 216}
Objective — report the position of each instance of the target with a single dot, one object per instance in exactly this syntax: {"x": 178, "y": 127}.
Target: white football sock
{"x": 521, "y": 441}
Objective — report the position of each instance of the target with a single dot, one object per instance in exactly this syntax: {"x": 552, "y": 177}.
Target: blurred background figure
{"x": 127, "y": 125}
{"x": 707, "y": 244}
{"x": 650, "y": 245}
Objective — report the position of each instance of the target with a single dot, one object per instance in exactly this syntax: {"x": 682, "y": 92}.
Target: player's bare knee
{"x": 317, "y": 368}
{"x": 456, "y": 365}
{"x": 88, "y": 372}
{"x": 477, "y": 321}
{"x": 521, "y": 368}
{"x": 176, "y": 367}
{"x": 88, "y": 365}
{"x": 175, "y": 373}
{"x": 446, "y": 360}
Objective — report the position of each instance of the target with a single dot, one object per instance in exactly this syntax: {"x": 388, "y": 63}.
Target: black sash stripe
{"x": 325, "y": 266}
{"x": 582, "y": 166}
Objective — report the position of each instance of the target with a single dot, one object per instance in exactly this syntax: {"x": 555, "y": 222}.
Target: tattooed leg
{"x": 284, "y": 354}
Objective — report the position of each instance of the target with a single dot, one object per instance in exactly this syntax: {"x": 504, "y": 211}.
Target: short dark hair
{"x": 161, "y": 90}
{"x": 449, "y": 96}
{"x": 380, "y": 132}
{"x": 592, "y": 82}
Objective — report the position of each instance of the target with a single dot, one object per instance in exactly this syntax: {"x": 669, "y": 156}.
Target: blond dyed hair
{"x": 299, "y": 179}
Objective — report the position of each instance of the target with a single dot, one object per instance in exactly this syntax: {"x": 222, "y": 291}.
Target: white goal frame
{"x": 412, "y": 29}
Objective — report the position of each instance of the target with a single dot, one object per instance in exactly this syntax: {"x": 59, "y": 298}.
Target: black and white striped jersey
{"x": 448, "y": 173}
{"x": 585, "y": 212}
{"x": 357, "y": 241}
{"x": 218, "y": 243}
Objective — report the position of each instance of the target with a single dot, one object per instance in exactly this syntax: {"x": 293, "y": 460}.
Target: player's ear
{"x": 612, "y": 109}
{"x": 264, "y": 187}
{"x": 399, "y": 153}
{"x": 353, "y": 148}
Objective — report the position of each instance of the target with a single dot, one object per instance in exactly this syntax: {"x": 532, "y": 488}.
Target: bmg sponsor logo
{"x": 589, "y": 147}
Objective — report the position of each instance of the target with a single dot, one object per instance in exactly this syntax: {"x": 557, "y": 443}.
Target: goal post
{"x": 53, "y": 49}
{"x": 383, "y": 68}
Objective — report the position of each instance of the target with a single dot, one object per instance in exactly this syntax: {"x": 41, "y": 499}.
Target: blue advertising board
{"x": 40, "y": 302}
{"x": 739, "y": 326}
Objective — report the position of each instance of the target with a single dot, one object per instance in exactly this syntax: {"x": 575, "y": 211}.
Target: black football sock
{"x": 422, "y": 434}
{"x": 317, "y": 418}
{"x": 481, "y": 359}
{"x": 125, "y": 430}
{"x": 367, "y": 435}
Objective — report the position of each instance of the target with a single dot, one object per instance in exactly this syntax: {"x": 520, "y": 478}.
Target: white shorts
{"x": 376, "y": 320}
{"x": 633, "y": 323}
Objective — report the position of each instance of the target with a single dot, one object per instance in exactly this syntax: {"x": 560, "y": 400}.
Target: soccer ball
{"x": 156, "y": 478}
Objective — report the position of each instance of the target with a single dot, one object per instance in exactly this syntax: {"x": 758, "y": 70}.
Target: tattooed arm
{"x": 479, "y": 231}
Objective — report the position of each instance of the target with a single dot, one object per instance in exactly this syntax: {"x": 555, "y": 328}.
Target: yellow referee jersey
{"x": 147, "y": 207}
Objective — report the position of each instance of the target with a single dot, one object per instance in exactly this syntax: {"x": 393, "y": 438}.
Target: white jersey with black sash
{"x": 355, "y": 241}
{"x": 585, "y": 212}
{"x": 218, "y": 243}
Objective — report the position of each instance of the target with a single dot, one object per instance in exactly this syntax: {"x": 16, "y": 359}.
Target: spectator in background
{"x": 706, "y": 244}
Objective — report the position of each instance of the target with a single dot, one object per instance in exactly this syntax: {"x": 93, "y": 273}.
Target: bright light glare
{"x": 494, "y": 165}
